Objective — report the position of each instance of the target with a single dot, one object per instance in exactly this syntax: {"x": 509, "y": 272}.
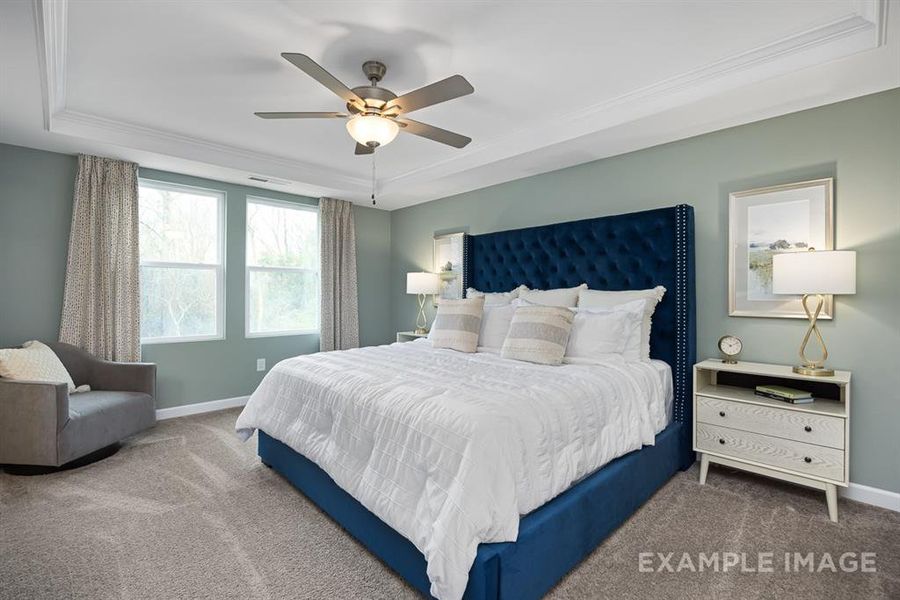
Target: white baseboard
{"x": 872, "y": 495}
{"x": 200, "y": 407}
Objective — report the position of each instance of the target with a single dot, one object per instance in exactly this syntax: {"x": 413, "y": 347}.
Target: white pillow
{"x": 34, "y": 361}
{"x": 607, "y": 299}
{"x": 495, "y": 326}
{"x": 600, "y": 334}
{"x": 496, "y": 298}
{"x": 564, "y": 297}
{"x": 457, "y": 324}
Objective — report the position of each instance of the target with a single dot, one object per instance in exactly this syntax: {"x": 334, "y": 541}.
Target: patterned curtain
{"x": 339, "y": 314}
{"x": 101, "y": 302}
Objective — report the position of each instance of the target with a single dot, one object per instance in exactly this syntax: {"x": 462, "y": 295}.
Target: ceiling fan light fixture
{"x": 372, "y": 130}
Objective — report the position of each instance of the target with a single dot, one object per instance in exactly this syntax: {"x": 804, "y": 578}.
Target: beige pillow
{"x": 34, "y": 361}
{"x": 538, "y": 334}
{"x": 566, "y": 297}
{"x": 606, "y": 299}
{"x": 457, "y": 324}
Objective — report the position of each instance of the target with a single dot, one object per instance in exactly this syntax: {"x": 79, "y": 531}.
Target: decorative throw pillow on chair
{"x": 34, "y": 361}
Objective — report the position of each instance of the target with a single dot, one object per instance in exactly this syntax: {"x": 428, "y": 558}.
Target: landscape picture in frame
{"x": 448, "y": 263}
{"x": 766, "y": 221}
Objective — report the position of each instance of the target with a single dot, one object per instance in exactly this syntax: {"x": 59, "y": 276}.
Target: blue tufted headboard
{"x": 632, "y": 251}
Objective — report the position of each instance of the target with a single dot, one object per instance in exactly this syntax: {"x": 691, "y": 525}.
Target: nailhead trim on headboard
{"x": 680, "y": 311}
{"x": 467, "y": 240}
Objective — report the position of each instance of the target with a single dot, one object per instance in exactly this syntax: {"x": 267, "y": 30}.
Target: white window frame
{"x": 248, "y": 268}
{"x": 218, "y": 267}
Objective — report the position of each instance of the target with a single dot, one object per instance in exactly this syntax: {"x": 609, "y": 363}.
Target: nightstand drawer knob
{"x": 721, "y": 440}
{"x": 721, "y": 413}
{"x": 807, "y": 429}
{"x": 807, "y": 459}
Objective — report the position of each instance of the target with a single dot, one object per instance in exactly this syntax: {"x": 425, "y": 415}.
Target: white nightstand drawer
{"x": 784, "y": 423}
{"x": 767, "y": 450}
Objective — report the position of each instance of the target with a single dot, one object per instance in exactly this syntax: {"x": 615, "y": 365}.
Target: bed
{"x": 410, "y": 413}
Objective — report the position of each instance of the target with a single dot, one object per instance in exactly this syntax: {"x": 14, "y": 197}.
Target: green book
{"x": 783, "y": 392}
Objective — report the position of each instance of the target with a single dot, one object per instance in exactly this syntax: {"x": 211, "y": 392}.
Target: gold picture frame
{"x": 768, "y": 220}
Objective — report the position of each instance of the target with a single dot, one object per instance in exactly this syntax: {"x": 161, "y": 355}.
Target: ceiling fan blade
{"x": 440, "y": 91}
{"x": 361, "y": 149}
{"x": 433, "y": 133}
{"x": 314, "y": 70}
{"x": 301, "y": 115}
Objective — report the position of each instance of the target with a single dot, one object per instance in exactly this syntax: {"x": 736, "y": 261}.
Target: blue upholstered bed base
{"x": 552, "y": 539}
{"x": 633, "y": 251}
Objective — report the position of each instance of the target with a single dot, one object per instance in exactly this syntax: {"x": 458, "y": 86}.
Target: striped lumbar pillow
{"x": 538, "y": 334}
{"x": 457, "y": 324}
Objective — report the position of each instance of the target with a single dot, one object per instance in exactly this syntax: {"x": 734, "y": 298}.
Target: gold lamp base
{"x": 814, "y": 371}
{"x": 813, "y": 368}
{"x": 421, "y": 319}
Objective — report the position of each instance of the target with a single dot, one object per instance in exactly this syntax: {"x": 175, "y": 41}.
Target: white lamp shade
{"x": 372, "y": 129}
{"x": 814, "y": 272}
{"x": 423, "y": 283}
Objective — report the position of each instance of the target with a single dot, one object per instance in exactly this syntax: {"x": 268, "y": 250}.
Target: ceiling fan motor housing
{"x": 375, "y": 97}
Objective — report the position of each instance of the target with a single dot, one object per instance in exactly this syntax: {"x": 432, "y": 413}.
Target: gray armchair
{"x": 42, "y": 425}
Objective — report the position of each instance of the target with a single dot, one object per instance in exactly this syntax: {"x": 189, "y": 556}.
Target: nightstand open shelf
{"x": 806, "y": 444}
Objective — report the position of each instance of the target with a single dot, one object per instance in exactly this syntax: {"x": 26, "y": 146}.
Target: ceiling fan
{"x": 375, "y": 113}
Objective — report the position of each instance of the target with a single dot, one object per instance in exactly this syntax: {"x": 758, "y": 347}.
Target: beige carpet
{"x": 187, "y": 511}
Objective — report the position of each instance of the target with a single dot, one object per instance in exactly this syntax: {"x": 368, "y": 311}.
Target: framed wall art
{"x": 766, "y": 221}
{"x": 448, "y": 263}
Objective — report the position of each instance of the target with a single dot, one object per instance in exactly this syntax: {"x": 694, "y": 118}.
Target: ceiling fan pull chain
{"x": 373, "y": 179}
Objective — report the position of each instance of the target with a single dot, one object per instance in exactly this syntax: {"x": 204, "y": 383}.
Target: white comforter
{"x": 450, "y": 448}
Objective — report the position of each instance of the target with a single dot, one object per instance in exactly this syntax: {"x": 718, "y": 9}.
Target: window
{"x": 182, "y": 256}
{"x": 282, "y": 268}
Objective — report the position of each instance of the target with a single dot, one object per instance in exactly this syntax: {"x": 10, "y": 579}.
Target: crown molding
{"x": 864, "y": 27}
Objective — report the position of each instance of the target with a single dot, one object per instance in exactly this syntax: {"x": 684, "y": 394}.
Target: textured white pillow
{"x": 606, "y": 299}
{"x": 34, "y": 361}
{"x": 496, "y": 298}
{"x": 457, "y": 324}
{"x": 600, "y": 334}
{"x": 565, "y": 297}
{"x": 538, "y": 334}
{"x": 494, "y": 326}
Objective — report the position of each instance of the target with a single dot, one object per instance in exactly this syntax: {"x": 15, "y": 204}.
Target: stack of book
{"x": 785, "y": 394}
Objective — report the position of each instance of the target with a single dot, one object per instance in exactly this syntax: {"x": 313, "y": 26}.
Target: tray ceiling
{"x": 174, "y": 85}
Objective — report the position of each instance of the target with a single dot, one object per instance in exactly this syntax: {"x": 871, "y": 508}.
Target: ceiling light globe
{"x": 372, "y": 130}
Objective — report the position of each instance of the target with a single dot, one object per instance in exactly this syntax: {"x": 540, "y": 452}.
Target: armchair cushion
{"x": 100, "y": 418}
{"x": 34, "y": 361}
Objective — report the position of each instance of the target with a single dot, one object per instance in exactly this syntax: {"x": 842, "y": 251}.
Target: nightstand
{"x": 408, "y": 336}
{"x": 807, "y": 444}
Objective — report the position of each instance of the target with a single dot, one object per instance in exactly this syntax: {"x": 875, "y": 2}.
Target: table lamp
{"x": 814, "y": 273}
{"x": 422, "y": 284}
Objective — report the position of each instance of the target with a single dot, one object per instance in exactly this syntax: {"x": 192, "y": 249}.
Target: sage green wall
{"x": 857, "y": 142}
{"x": 35, "y": 211}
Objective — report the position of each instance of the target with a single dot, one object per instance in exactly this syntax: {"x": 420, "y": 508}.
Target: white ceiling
{"x": 173, "y": 85}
